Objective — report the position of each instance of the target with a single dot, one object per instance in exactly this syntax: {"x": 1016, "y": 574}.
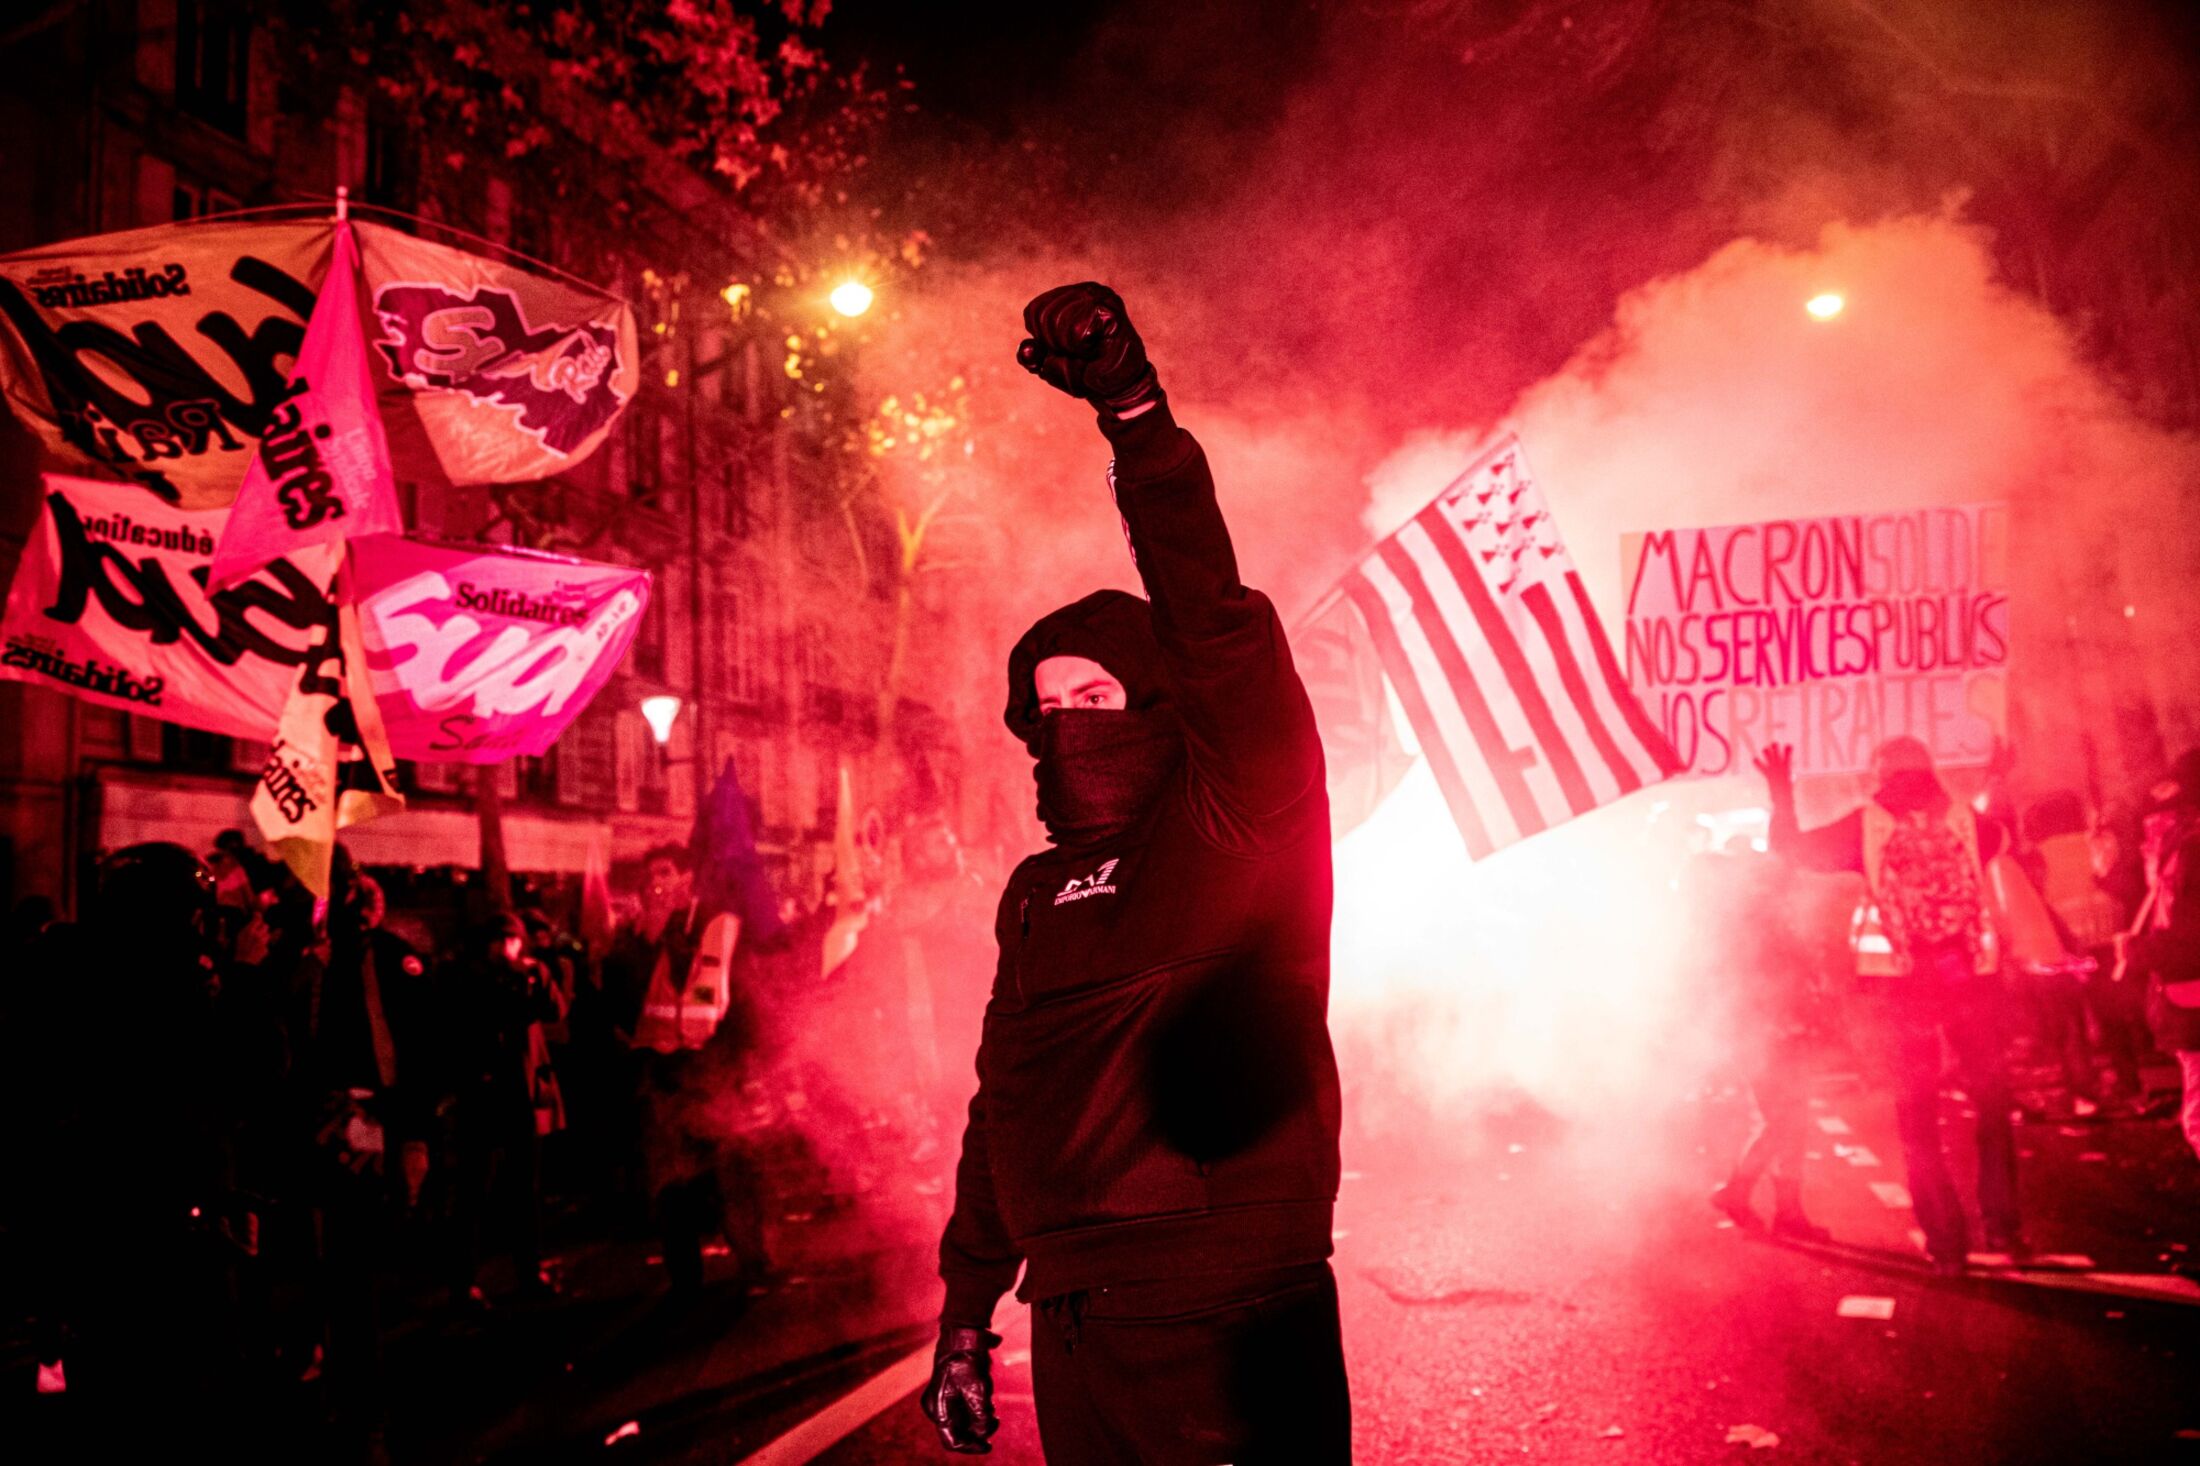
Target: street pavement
{"x": 1512, "y": 1286}
{"x": 1541, "y": 1292}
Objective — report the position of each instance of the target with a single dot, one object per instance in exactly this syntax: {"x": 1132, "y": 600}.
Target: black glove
{"x": 1082, "y": 342}
{"x": 959, "y": 1400}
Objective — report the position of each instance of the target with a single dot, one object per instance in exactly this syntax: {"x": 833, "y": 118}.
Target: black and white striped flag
{"x": 1486, "y": 636}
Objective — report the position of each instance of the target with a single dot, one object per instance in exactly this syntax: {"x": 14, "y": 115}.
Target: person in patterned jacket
{"x": 1934, "y": 967}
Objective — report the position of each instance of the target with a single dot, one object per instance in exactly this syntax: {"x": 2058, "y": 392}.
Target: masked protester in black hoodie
{"x": 1931, "y": 959}
{"x": 1154, "y": 1136}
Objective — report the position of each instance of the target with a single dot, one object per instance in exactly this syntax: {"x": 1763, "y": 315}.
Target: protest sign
{"x": 480, "y": 653}
{"x": 1828, "y": 634}
{"x": 109, "y": 604}
{"x": 511, "y": 375}
{"x": 323, "y": 467}
{"x": 158, "y": 355}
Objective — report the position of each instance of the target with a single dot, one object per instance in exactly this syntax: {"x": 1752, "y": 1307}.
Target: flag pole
{"x": 1323, "y": 605}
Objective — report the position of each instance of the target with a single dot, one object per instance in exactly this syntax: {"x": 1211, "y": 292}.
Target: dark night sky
{"x": 991, "y": 63}
{"x": 1101, "y": 81}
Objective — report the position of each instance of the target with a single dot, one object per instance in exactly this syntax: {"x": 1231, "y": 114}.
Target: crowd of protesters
{"x": 237, "y": 1114}
{"x": 1986, "y": 933}
{"x": 248, "y": 1128}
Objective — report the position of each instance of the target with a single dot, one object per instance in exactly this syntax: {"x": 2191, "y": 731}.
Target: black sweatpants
{"x": 1229, "y": 1367}
{"x": 1942, "y": 997}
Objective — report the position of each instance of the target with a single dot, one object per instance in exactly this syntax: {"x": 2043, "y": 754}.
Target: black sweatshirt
{"x": 1156, "y": 1095}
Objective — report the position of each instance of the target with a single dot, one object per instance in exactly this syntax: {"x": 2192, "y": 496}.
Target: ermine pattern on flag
{"x": 1486, "y": 634}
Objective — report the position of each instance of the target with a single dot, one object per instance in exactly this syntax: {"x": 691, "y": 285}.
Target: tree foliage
{"x": 741, "y": 92}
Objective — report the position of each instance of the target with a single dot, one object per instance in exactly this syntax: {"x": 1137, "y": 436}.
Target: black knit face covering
{"x": 1099, "y": 770}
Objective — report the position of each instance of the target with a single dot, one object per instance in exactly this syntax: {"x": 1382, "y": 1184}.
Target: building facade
{"x": 724, "y": 477}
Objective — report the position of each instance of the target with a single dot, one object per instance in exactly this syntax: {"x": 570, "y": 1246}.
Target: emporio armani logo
{"x": 1099, "y": 883}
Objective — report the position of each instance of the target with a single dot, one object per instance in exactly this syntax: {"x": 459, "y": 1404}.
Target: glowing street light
{"x": 851, "y": 298}
{"x": 1824, "y": 307}
{"x": 659, "y": 712}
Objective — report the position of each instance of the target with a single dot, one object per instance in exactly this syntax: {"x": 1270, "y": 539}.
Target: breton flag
{"x": 1487, "y": 638}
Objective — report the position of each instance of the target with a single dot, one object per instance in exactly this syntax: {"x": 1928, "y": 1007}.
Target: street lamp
{"x": 851, "y": 298}
{"x": 659, "y": 712}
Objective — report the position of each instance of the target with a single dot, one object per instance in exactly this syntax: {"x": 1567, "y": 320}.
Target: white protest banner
{"x": 159, "y": 355}
{"x": 109, "y": 604}
{"x": 1828, "y": 634}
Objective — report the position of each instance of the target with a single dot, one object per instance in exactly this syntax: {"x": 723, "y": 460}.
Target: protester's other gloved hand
{"x": 959, "y": 1400}
{"x": 1082, "y": 342}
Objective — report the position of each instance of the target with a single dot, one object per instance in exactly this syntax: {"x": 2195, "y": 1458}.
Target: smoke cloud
{"x": 1715, "y": 398}
{"x": 1359, "y": 259}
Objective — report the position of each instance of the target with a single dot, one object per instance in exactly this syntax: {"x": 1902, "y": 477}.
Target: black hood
{"x": 1111, "y": 627}
{"x": 1912, "y": 791}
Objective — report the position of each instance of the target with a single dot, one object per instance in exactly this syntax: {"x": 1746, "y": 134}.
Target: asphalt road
{"x": 1511, "y": 1286}
{"x": 1528, "y": 1291}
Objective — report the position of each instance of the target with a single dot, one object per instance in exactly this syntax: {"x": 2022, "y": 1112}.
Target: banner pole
{"x": 1322, "y": 606}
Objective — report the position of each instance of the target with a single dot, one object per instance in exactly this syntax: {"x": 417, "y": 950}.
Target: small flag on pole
{"x": 1487, "y": 637}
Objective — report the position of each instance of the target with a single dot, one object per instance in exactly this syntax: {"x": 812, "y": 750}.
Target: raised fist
{"x": 1082, "y": 342}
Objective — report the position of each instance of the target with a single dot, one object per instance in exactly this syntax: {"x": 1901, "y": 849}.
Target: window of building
{"x": 190, "y": 201}
{"x": 671, "y": 450}
{"x": 213, "y": 47}
{"x": 649, "y": 637}
{"x": 537, "y": 775}
{"x": 393, "y": 157}
{"x": 147, "y": 739}
{"x": 249, "y": 756}
{"x": 644, "y": 479}
{"x": 629, "y": 750}
{"x": 432, "y": 778}
{"x": 737, "y": 648}
{"x": 725, "y": 620}
{"x": 103, "y": 732}
{"x": 733, "y": 493}
{"x": 587, "y": 773}
{"x": 529, "y": 229}
{"x": 809, "y": 654}
{"x": 193, "y": 750}
{"x": 654, "y": 793}
{"x": 828, "y": 800}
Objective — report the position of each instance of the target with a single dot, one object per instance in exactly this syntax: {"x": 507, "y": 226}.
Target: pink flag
{"x": 477, "y": 654}
{"x": 323, "y": 467}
